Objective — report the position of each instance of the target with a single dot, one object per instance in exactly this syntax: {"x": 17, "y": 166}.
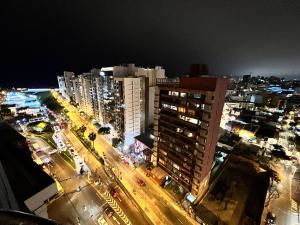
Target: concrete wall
{"x": 151, "y": 105}
{"x": 133, "y": 111}
{"x": 36, "y": 203}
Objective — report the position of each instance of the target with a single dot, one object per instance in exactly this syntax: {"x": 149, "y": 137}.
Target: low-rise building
{"x": 24, "y": 186}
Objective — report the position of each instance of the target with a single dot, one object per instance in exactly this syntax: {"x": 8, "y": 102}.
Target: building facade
{"x": 130, "y": 96}
{"x": 121, "y": 96}
{"x": 186, "y": 127}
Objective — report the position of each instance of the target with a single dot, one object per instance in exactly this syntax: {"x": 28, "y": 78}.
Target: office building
{"x": 186, "y": 127}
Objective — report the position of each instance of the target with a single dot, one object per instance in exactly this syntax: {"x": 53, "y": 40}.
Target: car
{"x": 133, "y": 166}
{"x": 114, "y": 192}
{"x": 53, "y": 151}
{"x": 109, "y": 211}
{"x": 102, "y": 221}
{"x": 280, "y": 154}
{"x": 140, "y": 182}
{"x": 271, "y": 219}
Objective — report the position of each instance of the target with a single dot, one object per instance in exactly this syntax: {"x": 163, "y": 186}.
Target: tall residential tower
{"x": 186, "y": 128}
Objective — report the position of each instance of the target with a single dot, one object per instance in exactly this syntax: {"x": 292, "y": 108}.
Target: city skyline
{"x": 143, "y": 112}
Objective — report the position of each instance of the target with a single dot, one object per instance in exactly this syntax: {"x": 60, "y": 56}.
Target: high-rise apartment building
{"x": 106, "y": 95}
{"x": 122, "y": 96}
{"x": 186, "y": 127}
{"x": 131, "y": 102}
{"x": 134, "y": 91}
{"x": 65, "y": 85}
{"x": 89, "y": 91}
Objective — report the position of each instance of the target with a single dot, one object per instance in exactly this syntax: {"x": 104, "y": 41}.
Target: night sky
{"x": 42, "y": 38}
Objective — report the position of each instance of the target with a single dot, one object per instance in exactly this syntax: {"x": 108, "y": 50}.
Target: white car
{"x": 52, "y": 151}
{"x": 102, "y": 221}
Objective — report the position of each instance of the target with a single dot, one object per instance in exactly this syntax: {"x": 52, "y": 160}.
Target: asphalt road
{"x": 99, "y": 174}
{"x": 152, "y": 198}
{"x": 86, "y": 204}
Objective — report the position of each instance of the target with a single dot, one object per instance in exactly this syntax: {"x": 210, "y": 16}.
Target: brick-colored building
{"x": 186, "y": 126}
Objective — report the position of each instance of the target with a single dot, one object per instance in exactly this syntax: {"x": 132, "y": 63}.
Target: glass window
{"x": 191, "y": 112}
{"x": 179, "y": 130}
{"x": 181, "y": 109}
{"x": 182, "y": 95}
{"x": 175, "y": 166}
{"x": 173, "y": 107}
{"x": 175, "y": 93}
{"x": 190, "y": 134}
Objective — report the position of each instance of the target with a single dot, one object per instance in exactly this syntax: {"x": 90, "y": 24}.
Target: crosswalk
{"x": 294, "y": 206}
{"x": 108, "y": 198}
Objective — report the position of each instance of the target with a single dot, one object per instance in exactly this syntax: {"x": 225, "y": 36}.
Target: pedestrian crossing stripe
{"x": 294, "y": 206}
{"x": 113, "y": 204}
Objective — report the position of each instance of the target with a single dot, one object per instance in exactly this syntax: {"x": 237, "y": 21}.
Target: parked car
{"x": 133, "y": 166}
{"x": 102, "y": 221}
{"x": 114, "y": 192}
{"x": 109, "y": 211}
{"x": 140, "y": 182}
{"x": 280, "y": 154}
{"x": 271, "y": 219}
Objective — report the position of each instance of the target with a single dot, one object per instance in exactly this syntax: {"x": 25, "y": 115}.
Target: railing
{"x": 168, "y": 81}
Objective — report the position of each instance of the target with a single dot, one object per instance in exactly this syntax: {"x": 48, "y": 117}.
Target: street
{"x": 156, "y": 202}
{"x": 81, "y": 202}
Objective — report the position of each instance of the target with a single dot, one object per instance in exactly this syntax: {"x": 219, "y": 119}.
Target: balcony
{"x": 179, "y": 122}
{"x": 187, "y": 140}
{"x": 178, "y": 142}
{"x": 172, "y": 153}
{"x": 203, "y": 133}
{"x": 199, "y": 155}
{"x": 207, "y": 108}
{"x": 198, "y": 169}
{"x": 206, "y": 116}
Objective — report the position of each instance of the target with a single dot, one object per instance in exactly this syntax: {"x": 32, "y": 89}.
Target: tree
{"x": 52, "y": 104}
{"x": 92, "y": 137}
{"x": 82, "y": 129}
{"x": 104, "y": 130}
{"x": 273, "y": 191}
{"x": 5, "y": 111}
{"x": 116, "y": 142}
{"x": 101, "y": 160}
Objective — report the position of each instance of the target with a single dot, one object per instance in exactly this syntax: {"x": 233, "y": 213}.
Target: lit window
{"x": 173, "y": 107}
{"x": 182, "y": 95}
{"x": 175, "y": 93}
{"x": 179, "y": 130}
{"x": 190, "y": 134}
{"x": 175, "y": 166}
{"x": 191, "y": 112}
{"x": 181, "y": 109}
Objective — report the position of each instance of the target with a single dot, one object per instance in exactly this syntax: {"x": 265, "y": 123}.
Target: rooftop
{"x": 233, "y": 200}
{"x": 146, "y": 138}
{"x": 16, "y": 218}
{"x": 203, "y": 82}
{"x": 25, "y": 177}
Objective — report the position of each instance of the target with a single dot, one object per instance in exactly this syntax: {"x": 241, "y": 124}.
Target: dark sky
{"x": 42, "y": 38}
